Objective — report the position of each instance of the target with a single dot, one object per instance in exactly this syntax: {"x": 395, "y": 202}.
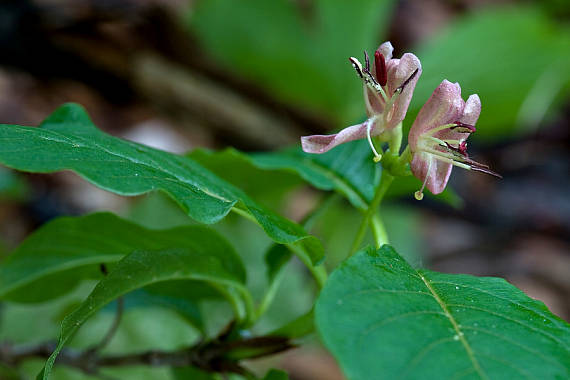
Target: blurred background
{"x": 257, "y": 75}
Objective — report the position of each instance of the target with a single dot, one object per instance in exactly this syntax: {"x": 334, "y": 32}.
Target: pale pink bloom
{"x": 437, "y": 137}
{"x": 388, "y": 87}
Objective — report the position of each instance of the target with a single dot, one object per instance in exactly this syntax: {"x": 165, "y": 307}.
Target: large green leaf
{"x": 69, "y": 140}
{"x": 69, "y": 243}
{"x": 56, "y": 257}
{"x": 382, "y": 319}
{"x": 515, "y": 58}
{"x": 204, "y": 259}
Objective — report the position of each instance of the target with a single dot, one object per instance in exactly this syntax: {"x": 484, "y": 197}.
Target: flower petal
{"x": 400, "y": 71}
{"x": 386, "y": 50}
{"x": 443, "y": 107}
{"x": 472, "y": 110}
{"x": 425, "y": 165}
{"x": 324, "y": 143}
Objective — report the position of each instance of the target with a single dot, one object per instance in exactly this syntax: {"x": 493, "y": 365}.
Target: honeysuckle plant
{"x": 437, "y": 138}
{"x": 380, "y": 317}
{"x": 388, "y": 85}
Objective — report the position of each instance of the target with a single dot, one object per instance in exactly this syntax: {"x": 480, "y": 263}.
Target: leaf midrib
{"x": 455, "y": 325}
{"x": 80, "y": 142}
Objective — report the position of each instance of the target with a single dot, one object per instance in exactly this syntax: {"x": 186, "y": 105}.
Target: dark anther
{"x": 463, "y": 128}
{"x": 367, "y": 60}
{"x": 484, "y": 169}
{"x": 403, "y": 85}
{"x": 103, "y": 269}
{"x": 381, "y": 71}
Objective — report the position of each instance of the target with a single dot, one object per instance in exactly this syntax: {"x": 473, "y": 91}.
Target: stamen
{"x": 368, "y": 80}
{"x": 388, "y": 108}
{"x": 377, "y": 157}
{"x": 463, "y": 128}
{"x": 486, "y": 171}
{"x": 357, "y": 66}
{"x": 450, "y": 161}
{"x": 461, "y": 149}
{"x": 431, "y": 132}
{"x": 381, "y": 71}
{"x": 367, "y": 60}
{"x": 401, "y": 88}
{"x": 419, "y": 195}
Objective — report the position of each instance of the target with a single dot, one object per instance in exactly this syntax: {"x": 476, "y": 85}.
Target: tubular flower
{"x": 388, "y": 88}
{"x": 437, "y": 138}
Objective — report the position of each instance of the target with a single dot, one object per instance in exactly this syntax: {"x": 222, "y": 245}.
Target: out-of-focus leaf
{"x": 204, "y": 258}
{"x": 301, "y": 55}
{"x": 12, "y": 187}
{"x": 509, "y": 56}
{"x": 69, "y": 140}
{"x": 187, "y": 373}
{"x": 380, "y": 316}
{"x": 276, "y": 257}
{"x": 56, "y": 257}
{"x": 297, "y": 328}
{"x": 182, "y": 296}
{"x": 275, "y": 374}
{"x": 69, "y": 243}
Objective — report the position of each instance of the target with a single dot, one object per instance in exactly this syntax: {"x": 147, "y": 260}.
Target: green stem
{"x": 395, "y": 142}
{"x": 270, "y": 294}
{"x": 406, "y": 156}
{"x": 379, "y": 231}
{"x": 385, "y": 183}
{"x": 250, "y": 312}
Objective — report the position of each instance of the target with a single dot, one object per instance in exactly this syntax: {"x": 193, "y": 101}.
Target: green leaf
{"x": 266, "y": 187}
{"x": 68, "y": 140}
{"x": 347, "y": 169}
{"x": 203, "y": 259}
{"x": 378, "y": 315}
{"x": 299, "y": 327}
{"x": 275, "y": 374}
{"x": 71, "y": 243}
{"x": 276, "y": 257}
{"x": 517, "y": 76}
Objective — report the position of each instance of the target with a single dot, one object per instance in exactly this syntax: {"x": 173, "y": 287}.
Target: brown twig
{"x": 213, "y": 356}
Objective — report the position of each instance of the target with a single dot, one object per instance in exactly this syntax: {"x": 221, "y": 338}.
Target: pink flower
{"x": 437, "y": 137}
{"x": 388, "y": 90}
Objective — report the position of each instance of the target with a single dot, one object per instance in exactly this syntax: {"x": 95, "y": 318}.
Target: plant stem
{"x": 379, "y": 231}
{"x": 385, "y": 183}
{"x": 114, "y": 326}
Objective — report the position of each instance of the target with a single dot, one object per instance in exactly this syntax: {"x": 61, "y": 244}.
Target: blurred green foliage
{"x": 515, "y": 58}
{"x": 300, "y": 55}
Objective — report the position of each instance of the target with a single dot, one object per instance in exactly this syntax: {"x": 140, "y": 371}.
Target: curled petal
{"x": 386, "y": 50}
{"x": 472, "y": 110}
{"x": 443, "y": 107}
{"x": 324, "y": 143}
{"x": 432, "y": 171}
